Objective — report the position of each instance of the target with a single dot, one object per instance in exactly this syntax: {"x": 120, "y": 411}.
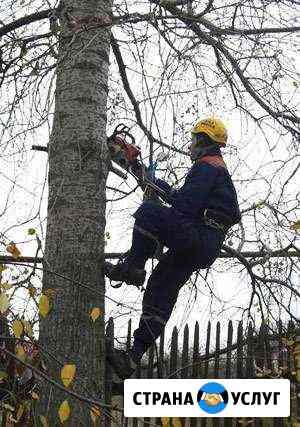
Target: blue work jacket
{"x": 208, "y": 185}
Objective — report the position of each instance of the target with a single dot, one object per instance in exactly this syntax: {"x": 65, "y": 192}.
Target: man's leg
{"x": 164, "y": 284}
{"x": 153, "y": 223}
{"x": 167, "y": 225}
{"x": 159, "y": 299}
{"x": 143, "y": 247}
{"x": 131, "y": 269}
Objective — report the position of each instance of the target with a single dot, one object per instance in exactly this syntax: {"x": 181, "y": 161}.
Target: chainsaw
{"x": 127, "y": 155}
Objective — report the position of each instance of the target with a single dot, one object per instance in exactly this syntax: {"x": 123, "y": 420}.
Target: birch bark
{"x": 74, "y": 246}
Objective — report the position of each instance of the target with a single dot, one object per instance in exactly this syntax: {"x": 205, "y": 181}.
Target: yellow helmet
{"x": 212, "y": 127}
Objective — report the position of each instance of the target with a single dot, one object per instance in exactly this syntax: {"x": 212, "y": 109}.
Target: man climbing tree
{"x": 193, "y": 229}
{"x": 168, "y": 62}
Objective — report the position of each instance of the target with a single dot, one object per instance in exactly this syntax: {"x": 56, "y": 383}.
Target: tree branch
{"x": 122, "y": 69}
{"x": 194, "y": 27}
{"x": 116, "y": 255}
{"x": 136, "y": 18}
{"x": 25, "y": 20}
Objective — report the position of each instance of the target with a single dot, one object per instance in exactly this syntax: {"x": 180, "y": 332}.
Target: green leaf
{"x": 3, "y": 375}
{"x": 259, "y": 204}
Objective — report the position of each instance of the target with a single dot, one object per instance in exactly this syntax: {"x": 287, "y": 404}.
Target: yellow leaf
{"x": 17, "y": 327}
{"x": 259, "y": 204}
{"x": 288, "y": 342}
{"x": 20, "y": 353}
{"x": 95, "y": 413}
{"x": 4, "y": 303}
{"x": 64, "y": 411}
{"x": 3, "y": 376}
{"x": 95, "y": 313}
{"x": 50, "y": 292}
{"x": 31, "y": 231}
{"x": 67, "y": 374}
{"x": 176, "y": 422}
{"x": 44, "y": 421}
{"x": 6, "y": 286}
{"x": 2, "y": 268}
{"x": 20, "y": 412}
{"x": 8, "y": 407}
{"x": 35, "y": 396}
{"x": 31, "y": 291}
{"x": 44, "y": 305}
{"x": 295, "y": 226}
{"x": 12, "y": 249}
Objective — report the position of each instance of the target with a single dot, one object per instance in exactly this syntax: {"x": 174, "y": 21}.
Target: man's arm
{"x": 164, "y": 186}
{"x": 192, "y": 196}
{"x": 141, "y": 172}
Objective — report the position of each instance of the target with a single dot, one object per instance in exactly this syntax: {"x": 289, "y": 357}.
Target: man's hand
{"x": 140, "y": 170}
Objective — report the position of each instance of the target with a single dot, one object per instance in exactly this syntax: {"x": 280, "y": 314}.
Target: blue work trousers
{"x": 192, "y": 245}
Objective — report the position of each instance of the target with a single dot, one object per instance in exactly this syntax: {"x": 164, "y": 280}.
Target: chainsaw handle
{"x": 124, "y": 130}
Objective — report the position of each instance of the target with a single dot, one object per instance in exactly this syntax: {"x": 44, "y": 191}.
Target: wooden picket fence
{"x": 247, "y": 354}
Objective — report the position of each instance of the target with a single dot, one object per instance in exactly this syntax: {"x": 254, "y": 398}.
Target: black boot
{"x": 125, "y": 272}
{"x": 121, "y": 363}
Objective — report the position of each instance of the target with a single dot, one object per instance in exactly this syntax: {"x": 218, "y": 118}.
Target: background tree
{"x": 170, "y": 63}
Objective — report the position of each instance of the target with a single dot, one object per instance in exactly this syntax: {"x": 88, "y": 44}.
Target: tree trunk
{"x": 76, "y": 215}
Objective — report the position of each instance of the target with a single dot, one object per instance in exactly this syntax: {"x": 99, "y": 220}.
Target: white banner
{"x": 206, "y": 398}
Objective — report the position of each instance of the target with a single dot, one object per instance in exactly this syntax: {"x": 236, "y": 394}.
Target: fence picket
{"x": 161, "y": 370}
{"x": 149, "y": 373}
{"x": 268, "y": 350}
{"x": 206, "y": 365}
{"x": 279, "y": 421}
{"x": 185, "y": 353}
{"x": 185, "y": 360}
{"x": 160, "y": 366}
{"x": 259, "y": 360}
{"x": 174, "y": 355}
{"x": 195, "y": 364}
{"x": 249, "y": 358}
{"x": 228, "y": 422}
{"x": 216, "y": 421}
{"x": 239, "y": 352}
{"x": 239, "y": 356}
{"x": 128, "y": 343}
{"x": 135, "y": 421}
{"x": 203, "y": 421}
